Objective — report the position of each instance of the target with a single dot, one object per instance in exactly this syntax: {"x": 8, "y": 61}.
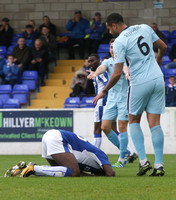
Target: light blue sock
{"x": 158, "y": 143}
{"x": 112, "y": 136}
{"x": 123, "y": 144}
{"x": 138, "y": 140}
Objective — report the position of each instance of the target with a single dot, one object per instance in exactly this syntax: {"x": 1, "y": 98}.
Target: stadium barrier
{"x": 21, "y": 130}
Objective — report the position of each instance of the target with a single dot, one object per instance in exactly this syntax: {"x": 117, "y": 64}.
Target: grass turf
{"x": 125, "y": 186}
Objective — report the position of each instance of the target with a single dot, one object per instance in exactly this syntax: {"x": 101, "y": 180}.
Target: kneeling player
{"x": 69, "y": 155}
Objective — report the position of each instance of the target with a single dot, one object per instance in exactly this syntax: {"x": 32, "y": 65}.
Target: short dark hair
{"x": 112, "y": 40}
{"x": 78, "y": 12}
{"x": 94, "y": 55}
{"x": 29, "y": 26}
{"x": 114, "y": 18}
{"x": 44, "y": 26}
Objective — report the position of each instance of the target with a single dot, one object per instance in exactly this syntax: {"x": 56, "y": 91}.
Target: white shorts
{"x": 98, "y": 111}
{"x": 52, "y": 143}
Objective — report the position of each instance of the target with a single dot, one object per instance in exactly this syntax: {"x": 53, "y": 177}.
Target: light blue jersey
{"x": 117, "y": 96}
{"x": 135, "y": 43}
{"x": 120, "y": 89}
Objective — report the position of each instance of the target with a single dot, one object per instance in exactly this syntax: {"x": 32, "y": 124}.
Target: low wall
{"x": 83, "y": 125}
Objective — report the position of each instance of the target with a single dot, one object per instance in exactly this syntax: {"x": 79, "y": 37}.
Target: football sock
{"x": 158, "y": 143}
{"x": 57, "y": 171}
{"x": 97, "y": 140}
{"x": 123, "y": 144}
{"x": 130, "y": 150}
{"x": 112, "y": 136}
{"x": 138, "y": 140}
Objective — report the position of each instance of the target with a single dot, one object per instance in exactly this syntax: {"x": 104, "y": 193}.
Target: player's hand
{"x": 92, "y": 74}
{"x": 99, "y": 96}
{"x": 127, "y": 76}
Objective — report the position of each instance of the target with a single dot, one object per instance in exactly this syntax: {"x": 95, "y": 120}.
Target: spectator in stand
{"x": 78, "y": 84}
{"x": 29, "y": 35}
{"x": 47, "y": 23}
{"x": 49, "y": 41}
{"x": 10, "y": 70}
{"x": 32, "y": 23}
{"x": 171, "y": 92}
{"x": 2, "y": 63}
{"x": 90, "y": 91}
{"x": 94, "y": 33}
{"x": 39, "y": 59}
{"x": 22, "y": 55}
{"x": 106, "y": 37}
{"x": 6, "y": 32}
{"x": 77, "y": 27}
{"x": 154, "y": 26}
{"x": 172, "y": 53}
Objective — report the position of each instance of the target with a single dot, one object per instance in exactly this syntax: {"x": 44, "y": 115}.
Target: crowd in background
{"x": 37, "y": 46}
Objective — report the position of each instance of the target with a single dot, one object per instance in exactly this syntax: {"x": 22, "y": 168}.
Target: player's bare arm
{"x": 100, "y": 70}
{"x": 162, "y": 47}
{"x": 113, "y": 80}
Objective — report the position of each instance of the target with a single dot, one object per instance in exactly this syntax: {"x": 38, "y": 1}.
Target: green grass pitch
{"x": 125, "y": 186}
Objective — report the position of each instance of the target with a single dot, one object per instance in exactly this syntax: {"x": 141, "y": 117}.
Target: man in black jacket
{"x": 39, "y": 59}
{"x": 6, "y": 32}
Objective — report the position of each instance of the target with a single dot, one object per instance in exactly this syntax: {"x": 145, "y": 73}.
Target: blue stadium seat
{"x": 166, "y": 81}
{"x": 87, "y": 102}
{"x": 72, "y": 102}
{"x": 173, "y": 34}
{"x": 167, "y": 35}
{"x": 5, "y": 92}
{"x": 20, "y": 92}
{"x": 10, "y": 48}
{"x": 30, "y": 78}
{"x": 169, "y": 72}
{"x": 3, "y": 50}
{"x": 1, "y": 104}
{"x": 102, "y": 55}
{"x": 171, "y": 65}
{"x": 16, "y": 36}
{"x": 103, "y": 48}
{"x": 11, "y": 103}
{"x": 166, "y": 60}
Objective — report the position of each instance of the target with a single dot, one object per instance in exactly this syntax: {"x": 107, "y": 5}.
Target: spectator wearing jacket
{"x": 172, "y": 53}
{"x": 154, "y": 26}
{"x": 47, "y": 22}
{"x": 22, "y": 55}
{"x": 171, "y": 92}
{"x": 10, "y": 70}
{"x": 94, "y": 33}
{"x": 39, "y": 59}
{"x": 29, "y": 35}
{"x": 77, "y": 27}
{"x": 78, "y": 84}
{"x": 6, "y": 32}
{"x": 2, "y": 63}
{"x": 49, "y": 41}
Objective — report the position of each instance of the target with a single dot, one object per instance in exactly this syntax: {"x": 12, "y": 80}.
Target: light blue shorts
{"x": 114, "y": 109}
{"x": 149, "y": 96}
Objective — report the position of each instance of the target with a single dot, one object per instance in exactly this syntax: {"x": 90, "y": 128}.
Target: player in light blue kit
{"x": 69, "y": 155}
{"x": 116, "y": 106}
{"x": 147, "y": 91}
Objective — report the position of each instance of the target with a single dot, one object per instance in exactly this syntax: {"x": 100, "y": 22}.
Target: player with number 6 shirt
{"x": 147, "y": 91}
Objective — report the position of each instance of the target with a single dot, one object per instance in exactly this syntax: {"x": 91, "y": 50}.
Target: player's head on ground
{"x": 115, "y": 24}
{"x": 94, "y": 61}
{"x": 111, "y": 47}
